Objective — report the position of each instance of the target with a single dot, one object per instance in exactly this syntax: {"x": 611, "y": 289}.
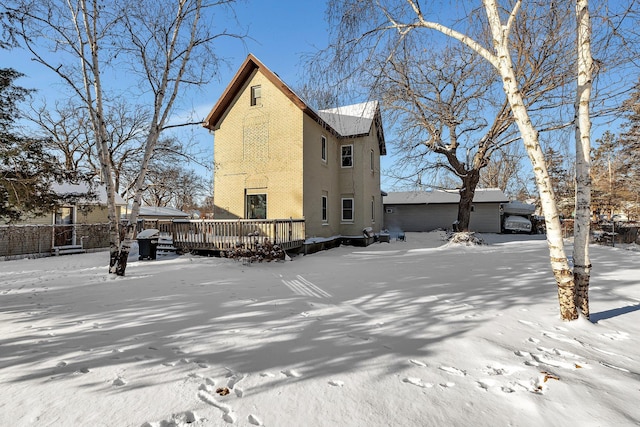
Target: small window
{"x": 347, "y": 210}
{"x": 389, "y": 210}
{"x": 256, "y": 206}
{"x": 347, "y": 156}
{"x": 324, "y": 208}
{"x": 256, "y": 95}
{"x": 372, "y": 161}
{"x": 324, "y": 148}
{"x": 373, "y": 209}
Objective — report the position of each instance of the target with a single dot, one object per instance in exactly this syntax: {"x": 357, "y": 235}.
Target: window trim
{"x": 342, "y": 210}
{"x": 372, "y": 160}
{"x": 323, "y": 154}
{"x": 246, "y": 205}
{"x": 373, "y": 209}
{"x": 342, "y": 157}
{"x": 325, "y": 209}
{"x": 256, "y": 100}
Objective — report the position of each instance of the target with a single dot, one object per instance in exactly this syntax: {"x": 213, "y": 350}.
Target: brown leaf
{"x": 222, "y": 391}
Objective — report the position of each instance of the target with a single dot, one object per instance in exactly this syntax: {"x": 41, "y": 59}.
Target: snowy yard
{"x": 415, "y": 333}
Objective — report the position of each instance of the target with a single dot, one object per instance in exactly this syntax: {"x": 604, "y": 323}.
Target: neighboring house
{"x": 86, "y": 210}
{"x": 430, "y": 210}
{"x": 80, "y": 225}
{"x": 156, "y": 212}
{"x": 278, "y": 158}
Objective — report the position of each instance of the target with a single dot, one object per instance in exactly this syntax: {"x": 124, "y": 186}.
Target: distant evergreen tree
{"x": 26, "y": 169}
{"x": 630, "y": 144}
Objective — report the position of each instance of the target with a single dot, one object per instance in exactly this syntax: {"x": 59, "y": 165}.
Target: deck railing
{"x": 223, "y": 235}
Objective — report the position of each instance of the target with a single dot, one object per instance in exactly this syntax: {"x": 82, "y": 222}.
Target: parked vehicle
{"x": 516, "y": 217}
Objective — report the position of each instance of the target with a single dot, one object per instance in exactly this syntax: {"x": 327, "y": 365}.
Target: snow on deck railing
{"x": 222, "y": 235}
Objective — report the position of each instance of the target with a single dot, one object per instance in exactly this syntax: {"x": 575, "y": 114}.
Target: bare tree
{"x": 170, "y": 48}
{"x": 362, "y": 21}
{"x": 164, "y": 46}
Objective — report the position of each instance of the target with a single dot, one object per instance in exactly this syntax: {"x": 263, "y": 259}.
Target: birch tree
{"x": 166, "y": 47}
{"x": 582, "y": 225}
{"x": 382, "y": 16}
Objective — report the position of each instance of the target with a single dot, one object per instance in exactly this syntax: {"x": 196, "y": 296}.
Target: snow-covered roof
{"x": 346, "y": 121}
{"x": 482, "y": 195}
{"x": 162, "y": 212}
{"x": 351, "y": 120}
{"x": 82, "y": 189}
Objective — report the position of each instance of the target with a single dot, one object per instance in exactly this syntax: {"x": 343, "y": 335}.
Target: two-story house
{"x": 278, "y": 158}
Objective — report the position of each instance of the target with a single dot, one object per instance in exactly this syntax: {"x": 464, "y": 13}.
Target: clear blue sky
{"x": 280, "y": 32}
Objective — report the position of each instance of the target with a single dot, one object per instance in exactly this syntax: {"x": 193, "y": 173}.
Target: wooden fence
{"x": 40, "y": 240}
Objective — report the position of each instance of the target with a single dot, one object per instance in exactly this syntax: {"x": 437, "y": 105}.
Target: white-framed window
{"x": 324, "y": 148}
{"x": 372, "y": 160}
{"x": 373, "y": 208}
{"x": 347, "y": 210}
{"x": 324, "y": 209}
{"x": 256, "y": 95}
{"x": 347, "y": 156}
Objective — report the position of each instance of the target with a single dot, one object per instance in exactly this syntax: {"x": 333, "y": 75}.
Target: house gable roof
{"x": 482, "y": 195}
{"x": 83, "y": 189}
{"x": 348, "y": 121}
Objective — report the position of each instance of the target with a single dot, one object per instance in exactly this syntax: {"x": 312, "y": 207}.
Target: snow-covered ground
{"x": 415, "y": 333}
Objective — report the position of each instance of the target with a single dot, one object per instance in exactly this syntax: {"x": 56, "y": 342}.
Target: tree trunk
{"x": 467, "y": 192}
{"x": 559, "y": 263}
{"x": 125, "y": 245}
{"x": 582, "y": 225}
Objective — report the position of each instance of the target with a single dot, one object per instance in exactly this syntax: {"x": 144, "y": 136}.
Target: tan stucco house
{"x": 278, "y": 158}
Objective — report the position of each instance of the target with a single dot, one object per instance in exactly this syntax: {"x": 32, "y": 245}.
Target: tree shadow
{"x": 608, "y": 314}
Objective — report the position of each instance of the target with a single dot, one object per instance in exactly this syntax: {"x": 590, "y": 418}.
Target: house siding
{"x": 275, "y": 148}
{"x": 258, "y": 149}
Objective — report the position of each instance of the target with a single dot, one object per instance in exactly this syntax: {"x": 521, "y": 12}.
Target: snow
{"x": 406, "y": 333}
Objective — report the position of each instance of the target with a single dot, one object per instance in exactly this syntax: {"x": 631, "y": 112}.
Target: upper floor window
{"x": 347, "y": 156}
{"x": 256, "y": 95}
{"x": 372, "y": 161}
{"x": 324, "y": 148}
{"x": 347, "y": 210}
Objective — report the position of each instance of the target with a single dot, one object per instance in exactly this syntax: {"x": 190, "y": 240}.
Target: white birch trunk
{"x": 582, "y": 227}
{"x": 501, "y": 60}
{"x": 92, "y": 82}
{"x": 558, "y": 257}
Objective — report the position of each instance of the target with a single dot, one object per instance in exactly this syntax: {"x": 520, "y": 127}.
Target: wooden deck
{"x": 223, "y": 235}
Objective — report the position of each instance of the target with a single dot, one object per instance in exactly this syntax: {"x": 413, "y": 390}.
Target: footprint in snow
{"x": 254, "y": 420}
{"x": 118, "y": 382}
{"x": 417, "y": 382}
{"x": 418, "y": 363}
{"x": 291, "y": 373}
{"x": 227, "y": 412}
{"x": 452, "y": 370}
{"x": 336, "y": 383}
{"x": 267, "y": 374}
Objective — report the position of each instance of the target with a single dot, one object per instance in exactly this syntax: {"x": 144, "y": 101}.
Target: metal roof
{"x": 351, "y": 120}
{"x": 482, "y": 195}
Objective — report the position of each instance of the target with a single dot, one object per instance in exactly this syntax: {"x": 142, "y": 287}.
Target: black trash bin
{"x": 148, "y": 243}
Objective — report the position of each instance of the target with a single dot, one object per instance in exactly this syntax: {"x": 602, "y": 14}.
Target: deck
{"x": 223, "y": 235}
